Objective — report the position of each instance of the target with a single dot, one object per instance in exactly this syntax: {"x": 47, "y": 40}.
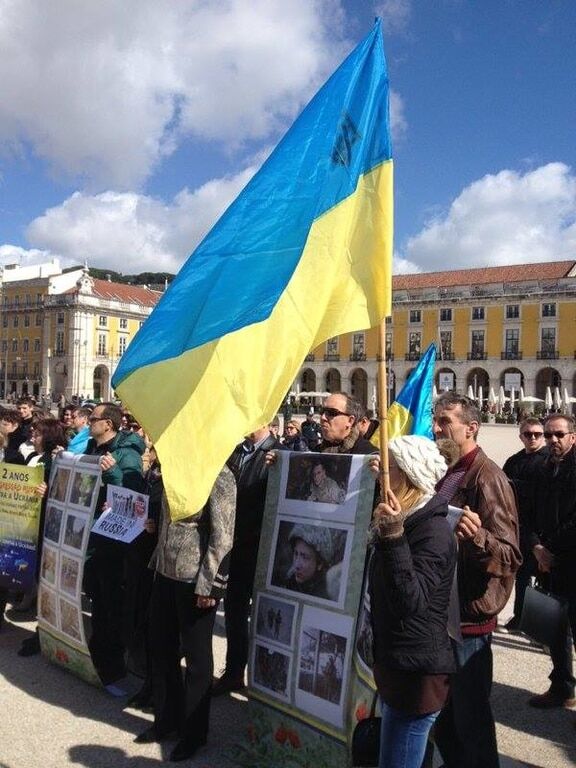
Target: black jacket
{"x": 361, "y": 447}
{"x": 410, "y": 583}
{"x": 522, "y": 468}
{"x": 251, "y": 478}
{"x": 553, "y": 519}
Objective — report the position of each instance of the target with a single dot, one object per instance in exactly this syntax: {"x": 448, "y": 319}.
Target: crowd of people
{"x": 436, "y": 591}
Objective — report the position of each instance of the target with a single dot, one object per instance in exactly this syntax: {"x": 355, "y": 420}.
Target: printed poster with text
{"x": 19, "y": 521}
{"x": 72, "y": 496}
{"x": 303, "y": 679}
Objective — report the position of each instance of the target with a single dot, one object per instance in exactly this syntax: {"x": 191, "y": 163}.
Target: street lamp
{"x": 6, "y": 371}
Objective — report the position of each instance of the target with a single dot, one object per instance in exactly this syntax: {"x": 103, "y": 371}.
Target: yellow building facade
{"x": 511, "y": 326}
{"x": 63, "y": 332}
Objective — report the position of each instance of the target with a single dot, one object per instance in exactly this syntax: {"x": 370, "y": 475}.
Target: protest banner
{"x": 19, "y": 521}
{"x": 126, "y": 515}
{"x": 72, "y": 496}
{"x": 302, "y": 683}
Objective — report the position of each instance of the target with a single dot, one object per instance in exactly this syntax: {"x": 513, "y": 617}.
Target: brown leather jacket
{"x": 487, "y": 563}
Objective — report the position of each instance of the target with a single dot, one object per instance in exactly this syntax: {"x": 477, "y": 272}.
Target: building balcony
{"x": 19, "y": 375}
{"x": 510, "y": 355}
{"x": 389, "y": 357}
{"x": 309, "y": 358}
{"x": 477, "y": 355}
{"x": 10, "y": 306}
{"x": 59, "y": 353}
{"x": 547, "y": 354}
{"x": 446, "y": 356}
{"x": 331, "y": 358}
{"x": 357, "y": 356}
{"x": 412, "y": 356}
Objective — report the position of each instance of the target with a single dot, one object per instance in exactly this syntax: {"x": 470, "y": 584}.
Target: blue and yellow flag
{"x": 411, "y": 412}
{"x": 303, "y": 253}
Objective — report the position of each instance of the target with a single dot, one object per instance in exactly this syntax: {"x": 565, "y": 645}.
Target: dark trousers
{"x": 138, "y": 579}
{"x": 523, "y": 576}
{"x": 104, "y": 585}
{"x": 562, "y": 676}
{"x": 3, "y": 600}
{"x": 237, "y": 607}
{"x": 465, "y": 732}
{"x": 178, "y": 627}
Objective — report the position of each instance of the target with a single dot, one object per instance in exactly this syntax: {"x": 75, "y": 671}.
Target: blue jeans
{"x": 465, "y": 732}
{"x": 403, "y": 738}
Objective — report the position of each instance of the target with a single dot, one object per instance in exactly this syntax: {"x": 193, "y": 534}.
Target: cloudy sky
{"x": 126, "y": 128}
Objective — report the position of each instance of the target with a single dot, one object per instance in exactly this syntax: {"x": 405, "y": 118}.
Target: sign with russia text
{"x": 125, "y": 515}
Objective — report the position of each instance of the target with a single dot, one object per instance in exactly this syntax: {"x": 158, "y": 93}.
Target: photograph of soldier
{"x": 83, "y": 486}
{"x": 310, "y": 559}
{"x": 53, "y": 524}
{"x": 321, "y": 663}
{"x": 47, "y": 606}
{"x": 271, "y": 670}
{"x": 70, "y": 620}
{"x": 69, "y": 573}
{"x": 59, "y": 484}
{"x": 49, "y": 565}
{"x": 318, "y": 478}
{"x": 74, "y": 528}
{"x": 275, "y": 619}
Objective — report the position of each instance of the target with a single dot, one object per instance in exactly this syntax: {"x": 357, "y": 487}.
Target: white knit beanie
{"x": 419, "y": 459}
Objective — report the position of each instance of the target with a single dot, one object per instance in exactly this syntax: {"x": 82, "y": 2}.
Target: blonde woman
{"x": 411, "y": 573}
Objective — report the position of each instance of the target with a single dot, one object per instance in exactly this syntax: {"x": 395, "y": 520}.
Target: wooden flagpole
{"x": 383, "y": 412}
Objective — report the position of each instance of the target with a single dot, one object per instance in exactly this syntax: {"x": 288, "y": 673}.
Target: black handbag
{"x": 544, "y": 616}
{"x": 366, "y": 739}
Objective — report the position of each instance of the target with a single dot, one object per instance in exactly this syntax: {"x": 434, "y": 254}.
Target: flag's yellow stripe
{"x": 342, "y": 283}
{"x": 399, "y": 420}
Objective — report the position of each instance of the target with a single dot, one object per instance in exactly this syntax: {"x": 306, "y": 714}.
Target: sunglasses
{"x": 535, "y": 435}
{"x": 558, "y": 434}
{"x": 331, "y": 413}
{"x": 92, "y": 419}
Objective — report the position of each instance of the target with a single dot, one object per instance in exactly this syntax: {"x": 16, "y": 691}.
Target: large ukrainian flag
{"x": 304, "y": 253}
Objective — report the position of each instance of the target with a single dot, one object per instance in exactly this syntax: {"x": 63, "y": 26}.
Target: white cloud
{"x": 398, "y": 124}
{"x": 507, "y": 218}
{"x": 395, "y": 14}
{"x": 132, "y": 233}
{"x": 104, "y": 90}
{"x": 14, "y": 254}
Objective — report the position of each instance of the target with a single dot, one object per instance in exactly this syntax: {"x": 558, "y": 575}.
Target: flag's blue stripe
{"x": 416, "y": 395}
{"x": 257, "y": 243}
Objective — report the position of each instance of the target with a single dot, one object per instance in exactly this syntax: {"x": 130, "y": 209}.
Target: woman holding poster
{"x": 191, "y": 562}
{"x": 46, "y": 436}
{"x": 411, "y": 573}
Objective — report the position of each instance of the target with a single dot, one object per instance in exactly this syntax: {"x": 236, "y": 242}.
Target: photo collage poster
{"x": 307, "y": 592}
{"x": 72, "y": 496}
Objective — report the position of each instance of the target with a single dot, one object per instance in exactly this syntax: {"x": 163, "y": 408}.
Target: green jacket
{"x": 127, "y": 449}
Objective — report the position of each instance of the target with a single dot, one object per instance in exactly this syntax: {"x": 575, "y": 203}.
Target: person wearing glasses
{"x": 553, "y": 541}
{"x": 339, "y": 423}
{"x": 521, "y": 468}
{"x": 121, "y": 464}
{"x": 292, "y": 439}
{"x": 488, "y": 558}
